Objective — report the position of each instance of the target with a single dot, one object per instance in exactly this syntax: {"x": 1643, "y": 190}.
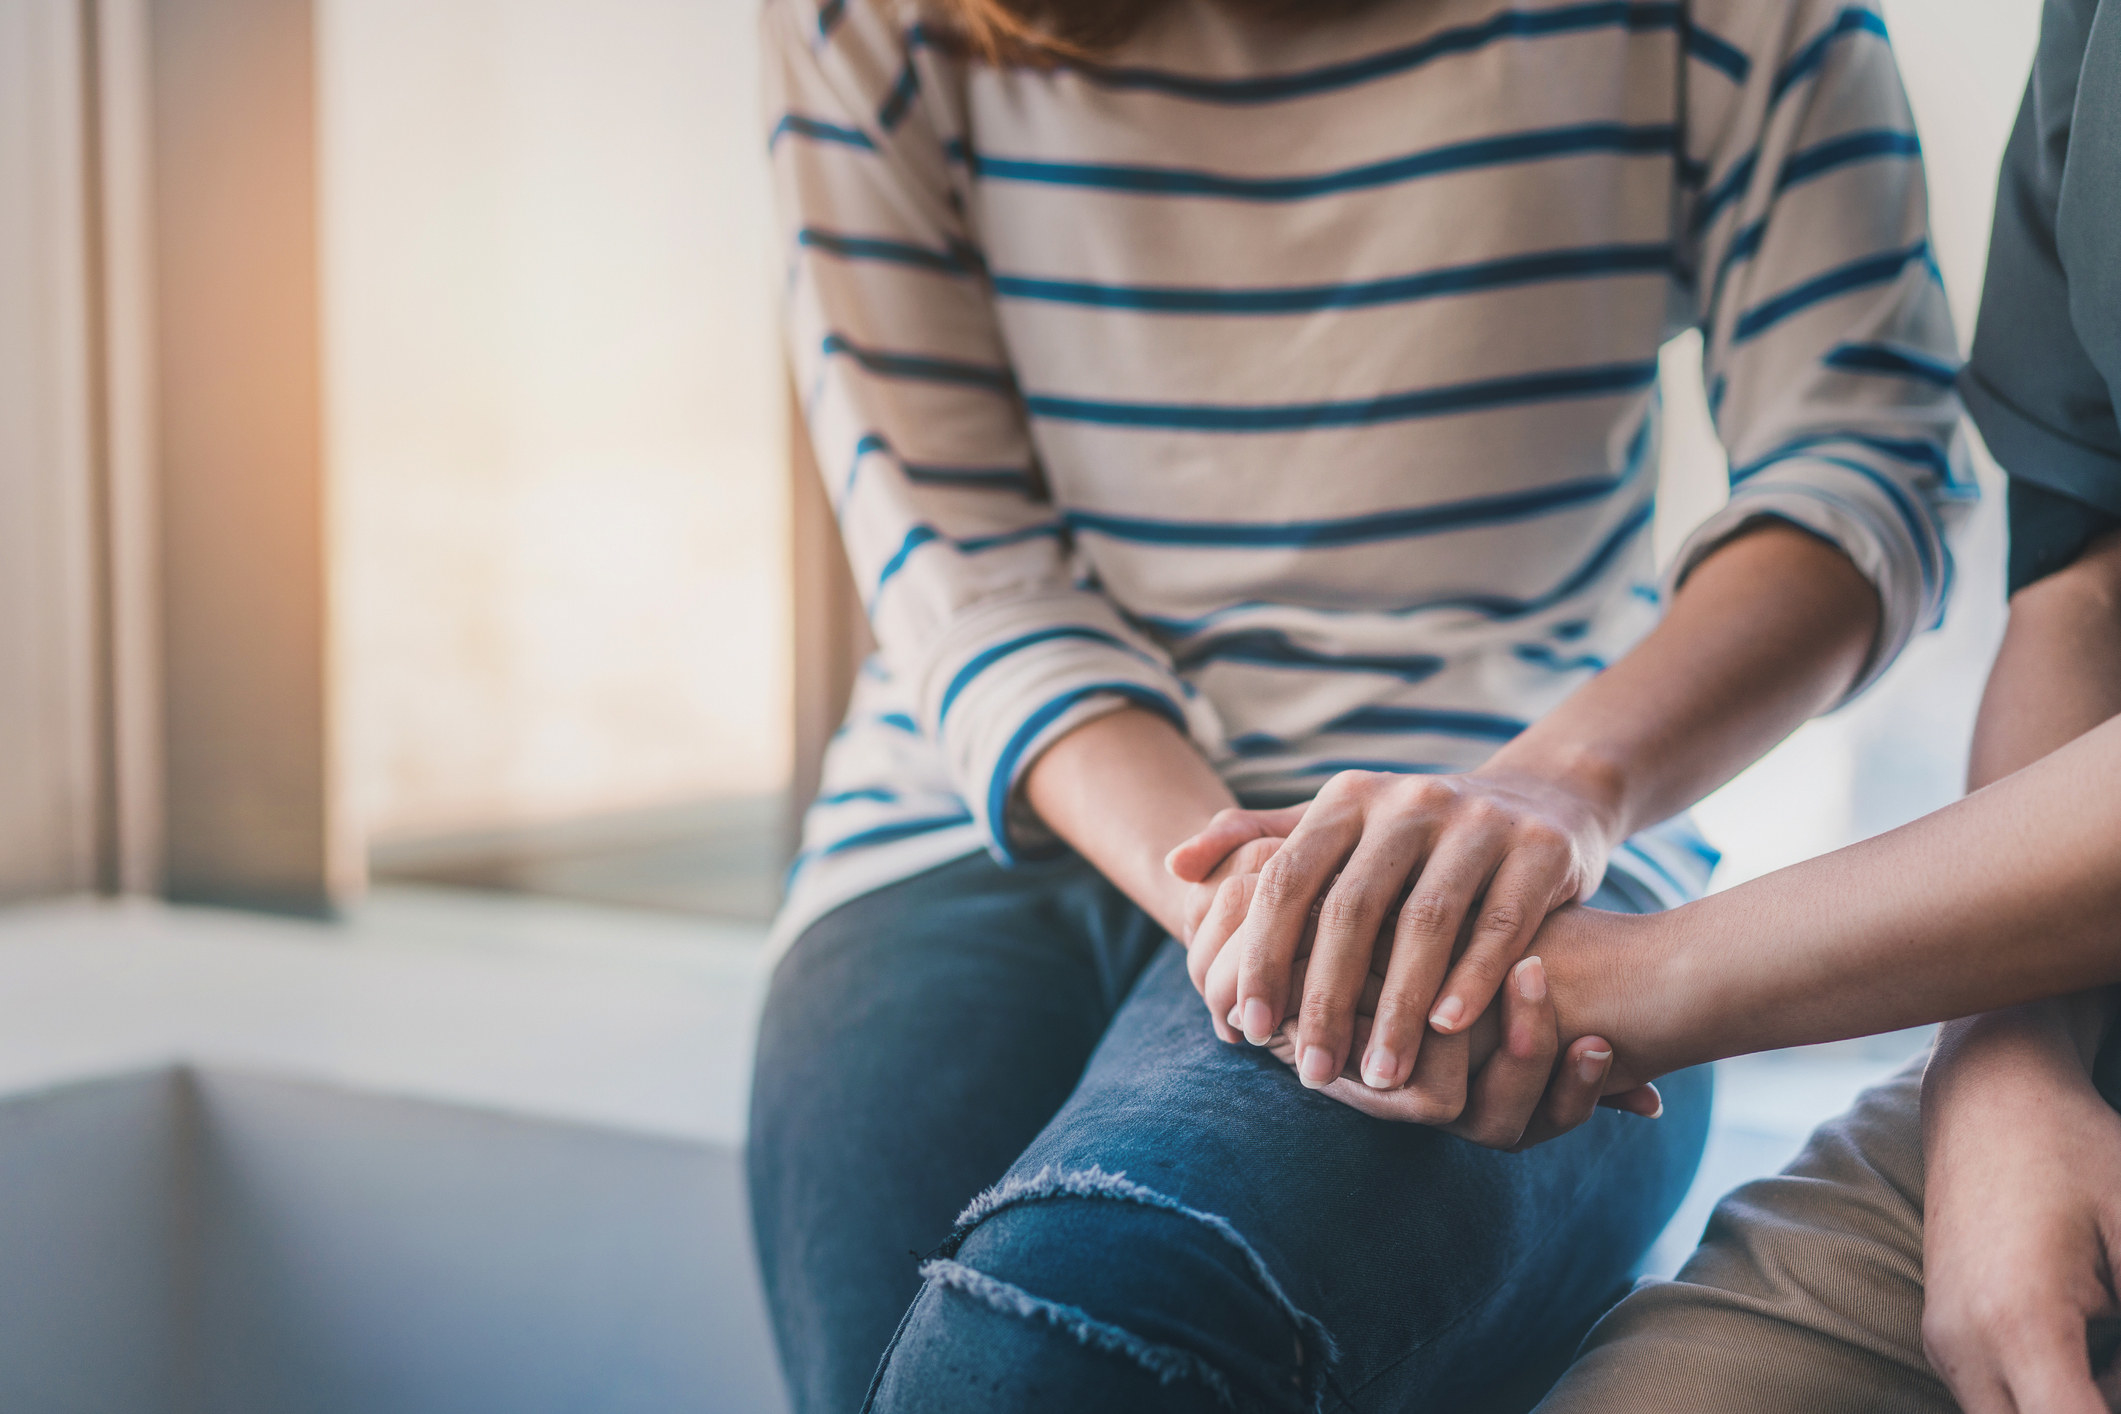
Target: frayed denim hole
{"x": 1167, "y": 1363}
{"x": 1316, "y": 1351}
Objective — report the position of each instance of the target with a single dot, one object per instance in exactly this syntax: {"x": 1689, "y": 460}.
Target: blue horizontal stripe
{"x": 1535, "y": 146}
{"x": 1802, "y": 167}
{"x": 1383, "y": 721}
{"x": 1465, "y": 39}
{"x": 1271, "y": 648}
{"x": 870, "y": 444}
{"x": 989, "y": 656}
{"x": 901, "y": 722}
{"x": 880, "y": 794}
{"x": 1726, "y": 191}
{"x": 986, "y": 478}
{"x": 1543, "y": 266}
{"x": 1857, "y": 275}
{"x": 1920, "y": 529}
{"x": 922, "y": 368}
{"x": 961, "y": 261}
{"x": 1912, "y": 450}
{"x": 915, "y": 538}
{"x": 972, "y": 545}
{"x": 1810, "y": 59}
{"x": 1551, "y": 386}
{"x": 900, "y": 100}
{"x": 1843, "y": 151}
{"x": 817, "y": 130}
{"x": 1494, "y": 606}
{"x": 1719, "y": 53}
{"x": 900, "y": 830}
{"x": 1354, "y": 530}
{"x": 1004, "y": 778}
{"x": 1541, "y": 655}
{"x": 924, "y": 534}
{"x": 1893, "y": 361}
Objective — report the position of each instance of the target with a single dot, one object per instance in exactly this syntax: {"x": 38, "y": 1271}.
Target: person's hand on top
{"x": 1395, "y": 869}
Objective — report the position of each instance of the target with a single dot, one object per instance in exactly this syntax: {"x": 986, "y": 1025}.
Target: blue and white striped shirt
{"x": 1300, "y": 385}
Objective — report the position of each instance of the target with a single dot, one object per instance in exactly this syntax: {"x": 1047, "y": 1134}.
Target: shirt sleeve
{"x": 1829, "y": 350}
{"x": 2039, "y": 397}
{"x": 964, "y": 563}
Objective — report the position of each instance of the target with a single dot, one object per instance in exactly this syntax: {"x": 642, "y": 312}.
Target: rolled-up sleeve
{"x": 965, "y": 565}
{"x": 1829, "y": 350}
{"x": 2034, "y": 384}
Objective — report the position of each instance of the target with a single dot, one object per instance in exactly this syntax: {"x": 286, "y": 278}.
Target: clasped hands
{"x": 1374, "y": 939}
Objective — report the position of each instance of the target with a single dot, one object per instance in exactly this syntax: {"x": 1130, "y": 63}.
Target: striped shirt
{"x": 1300, "y": 385}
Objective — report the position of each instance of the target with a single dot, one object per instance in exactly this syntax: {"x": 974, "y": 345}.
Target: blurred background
{"x": 406, "y": 566}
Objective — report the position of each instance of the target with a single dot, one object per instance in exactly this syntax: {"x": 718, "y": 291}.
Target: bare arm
{"x": 1124, "y": 790}
{"x": 1912, "y": 926}
{"x": 1769, "y": 629}
{"x": 2021, "y": 1152}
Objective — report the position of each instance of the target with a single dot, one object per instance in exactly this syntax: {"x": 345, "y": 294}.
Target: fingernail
{"x": 1446, "y": 1016}
{"x": 1591, "y": 1065}
{"x": 1657, "y": 1113}
{"x": 1316, "y": 1067}
{"x": 1381, "y": 1070}
{"x": 1258, "y": 1024}
{"x": 1236, "y": 1022}
{"x": 1532, "y": 980}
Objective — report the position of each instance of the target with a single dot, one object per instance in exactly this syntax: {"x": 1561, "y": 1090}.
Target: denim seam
{"x": 1052, "y": 1182}
{"x": 1167, "y": 1362}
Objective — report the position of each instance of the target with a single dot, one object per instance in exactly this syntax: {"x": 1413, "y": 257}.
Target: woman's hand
{"x": 1221, "y": 866}
{"x": 1518, "y": 1095}
{"x": 1396, "y": 869}
{"x": 2021, "y": 1223}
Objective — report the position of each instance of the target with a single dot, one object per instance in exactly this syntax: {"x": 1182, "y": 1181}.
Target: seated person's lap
{"x": 1188, "y": 1224}
{"x": 1805, "y": 1294}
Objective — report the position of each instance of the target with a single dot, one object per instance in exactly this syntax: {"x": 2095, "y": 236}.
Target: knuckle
{"x": 1506, "y": 917}
{"x": 1347, "y": 910}
{"x": 1483, "y": 813}
{"x": 1436, "y": 791}
{"x": 1542, "y": 835}
{"x": 1426, "y": 913}
{"x": 1323, "y": 1011}
{"x": 1280, "y": 885}
{"x": 1347, "y": 786}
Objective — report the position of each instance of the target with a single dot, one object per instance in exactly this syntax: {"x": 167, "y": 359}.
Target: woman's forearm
{"x": 1123, "y": 790}
{"x": 1768, "y": 631}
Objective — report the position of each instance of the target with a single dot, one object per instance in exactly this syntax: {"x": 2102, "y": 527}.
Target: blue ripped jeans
{"x": 1000, "y": 1163}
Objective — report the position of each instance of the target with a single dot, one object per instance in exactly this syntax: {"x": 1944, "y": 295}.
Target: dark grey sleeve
{"x": 2038, "y": 393}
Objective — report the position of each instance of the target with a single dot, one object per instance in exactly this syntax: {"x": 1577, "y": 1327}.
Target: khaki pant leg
{"x": 1805, "y": 1296}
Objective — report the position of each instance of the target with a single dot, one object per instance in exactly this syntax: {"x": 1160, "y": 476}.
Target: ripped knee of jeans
{"x": 1119, "y": 1269}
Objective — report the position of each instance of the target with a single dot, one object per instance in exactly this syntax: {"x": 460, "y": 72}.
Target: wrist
{"x": 1588, "y": 774}
{"x": 2018, "y": 1061}
{"x": 1611, "y": 975}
